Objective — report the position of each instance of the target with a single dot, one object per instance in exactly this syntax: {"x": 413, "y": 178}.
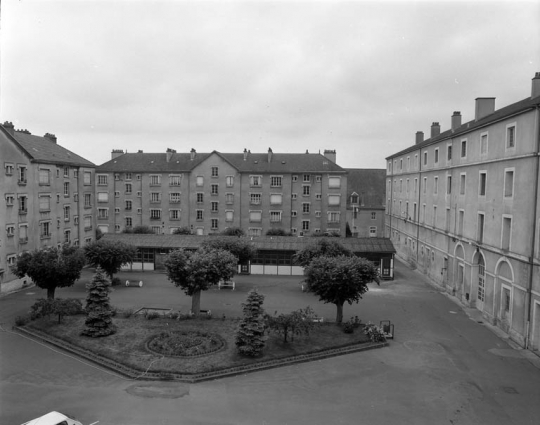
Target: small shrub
{"x": 152, "y": 315}
{"x": 21, "y": 320}
{"x": 116, "y": 281}
{"x": 299, "y": 322}
{"x": 127, "y": 312}
{"x": 374, "y": 333}
{"x": 351, "y": 325}
{"x": 61, "y": 307}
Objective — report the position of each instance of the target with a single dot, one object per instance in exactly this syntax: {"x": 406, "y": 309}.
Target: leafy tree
{"x": 340, "y": 279}
{"x": 98, "y": 308}
{"x": 299, "y": 322}
{"x": 139, "y": 230}
{"x": 241, "y": 248}
{"x": 197, "y": 271}
{"x": 109, "y": 255}
{"x": 61, "y": 307}
{"x": 233, "y": 231}
{"x": 277, "y": 231}
{"x": 51, "y": 268}
{"x": 326, "y": 247}
{"x": 186, "y": 230}
{"x": 250, "y": 338}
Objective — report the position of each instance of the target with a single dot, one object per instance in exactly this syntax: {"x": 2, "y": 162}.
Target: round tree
{"x": 109, "y": 255}
{"x": 326, "y": 247}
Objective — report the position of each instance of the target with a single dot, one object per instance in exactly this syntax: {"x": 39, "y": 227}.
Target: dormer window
{"x": 354, "y": 198}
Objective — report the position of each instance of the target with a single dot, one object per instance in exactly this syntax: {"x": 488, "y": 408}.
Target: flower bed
{"x": 185, "y": 343}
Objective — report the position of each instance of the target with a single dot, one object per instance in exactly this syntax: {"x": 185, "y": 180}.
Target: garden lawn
{"x": 128, "y": 344}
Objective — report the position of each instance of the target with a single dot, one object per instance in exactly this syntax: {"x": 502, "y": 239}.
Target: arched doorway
{"x": 459, "y": 272}
{"x": 481, "y": 283}
{"x": 505, "y": 280}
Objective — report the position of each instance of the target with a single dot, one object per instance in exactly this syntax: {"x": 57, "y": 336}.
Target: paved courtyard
{"x": 444, "y": 367}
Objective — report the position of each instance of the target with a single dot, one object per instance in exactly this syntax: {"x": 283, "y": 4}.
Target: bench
{"x": 140, "y": 284}
{"x": 226, "y": 284}
{"x": 387, "y": 328}
{"x": 202, "y": 312}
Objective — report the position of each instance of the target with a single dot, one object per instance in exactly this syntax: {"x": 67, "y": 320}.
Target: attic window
{"x": 256, "y": 162}
{"x": 151, "y": 162}
{"x": 283, "y": 162}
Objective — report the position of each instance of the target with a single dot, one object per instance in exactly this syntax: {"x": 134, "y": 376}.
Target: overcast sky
{"x": 358, "y": 77}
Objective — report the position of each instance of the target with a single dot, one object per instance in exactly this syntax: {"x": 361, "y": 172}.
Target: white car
{"x": 53, "y": 418}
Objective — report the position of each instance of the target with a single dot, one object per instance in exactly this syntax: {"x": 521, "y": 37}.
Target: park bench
{"x": 140, "y": 284}
{"x": 226, "y": 284}
{"x": 387, "y": 328}
{"x": 202, "y": 312}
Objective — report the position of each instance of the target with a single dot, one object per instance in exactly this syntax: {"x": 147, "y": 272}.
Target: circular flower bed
{"x": 185, "y": 343}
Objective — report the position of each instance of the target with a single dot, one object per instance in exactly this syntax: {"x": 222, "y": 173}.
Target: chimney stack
{"x": 245, "y": 154}
{"x": 331, "y": 155}
{"x": 51, "y": 137}
{"x": 116, "y": 153}
{"x": 193, "y": 154}
{"x": 535, "y": 86}
{"x": 456, "y": 120}
{"x": 8, "y": 125}
{"x": 484, "y": 107}
{"x": 170, "y": 153}
{"x": 269, "y": 155}
{"x": 435, "y": 129}
{"x": 419, "y": 137}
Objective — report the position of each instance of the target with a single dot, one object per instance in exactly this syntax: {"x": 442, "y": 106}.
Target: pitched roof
{"x": 255, "y": 162}
{"x": 514, "y": 108}
{"x": 284, "y": 243}
{"x": 42, "y": 149}
{"x": 369, "y": 184}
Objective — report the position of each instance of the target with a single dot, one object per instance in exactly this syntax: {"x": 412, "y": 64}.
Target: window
{"x": 155, "y": 197}
{"x": 448, "y": 185}
{"x": 200, "y": 181}
{"x": 447, "y": 220}
{"x": 318, "y": 179}
{"x": 102, "y": 179}
{"x": 9, "y": 169}
{"x": 306, "y": 190}
{"x": 138, "y": 176}
{"x": 155, "y": 180}
{"x": 66, "y": 189}
{"x": 129, "y": 204}
{"x": 58, "y": 173}
{"x": 425, "y": 184}
{"x": 117, "y": 228}
{"x": 45, "y": 229}
{"x": 482, "y": 183}
{"x": 229, "y": 181}
{"x": 276, "y": 199}
{"x": 434, "y": 218}
{"x": 66, "y": 171}
{"x": 174, "y": 214}
{"x": 407, "y": 186}
{"x": 305, "y": 207}
{"x": 139, "y": 211}
{"x": 483, "y": 144}
{"x": 139, "y": 194}
{"x": 294, "y": 213}
{"x": 334, "y": 182}
{"x": 464, "y": 148}
{"x": 10, "y": 230}
{"x": 373, "y": 215}
{"x": 372, "y": 231}
{"x": 275, "y": 216}
{"x": 317, "y": 213}
{"x": 87, "y": 178}
{"x": 275, "y": 181}
{"x": 215, "y": 206}
{"x": 200, "y": 197}
{"x": 333, "y": 217}
{"x": 10, "y": 199}
{"x": 449, "y": 152}
{"x": 117, "y": 176}
{"x": 174, "y": 197}
{"x": 66, "y": 212}
{"x": 461, "y": 220}
{"x": 44, "y": 177}
{"x": 354, "y": 198}
{"x": 215, "y": 172}
{"x": 506, "y": 232}
{"x": 415, "y": 185}
{"x": 435, "y": 185}
{"x": 254, "y": 231}
{"x": 306, "y": 178}
{"x": 117, "y": 210}
{"x": 462, "y": 183}
{"x": 436, "y": 155}
{"x": 87, "y": 200}
{"x": 23, "y": 204}
{"x": 401, "y": 164}
{"x": 67, "y": 236}
{"x": 22, "y": 174}
{"x": 129, "y": 188}
{"x": 294, "y": 178}
{"x": 156, "y": 230}
{"x": 255, "y": 198}
{"x": 103, "y": 197}
{"x": 229, "y": 215}
{"x": 128, "y": 176}
{"x": 175, "y": 179}
{"x": 255, "y": 181}
{"x": 155, "y": 214}
{"x": 401, "y": 185}
{"x": 334, "y": 199}
{"x": 480, "y": 228}
{"x": 199, "y": 216}
{"x": 255, "y": 216}
{"x": 294, "y": 195}
{"x": 44, "y": 203}
{"x": 117, "y": 194}
{"x": 511, "y": 136}
{"x": 425, "y": 157}
{"x": 87, "y": 222}
{"x": 23, "y": 233}
{"x": 229, "y": 198}
{"x": 508, "y": 183}
{"x": 214, "y": 224}
{"x": 305, "y": 225}
{"x": 215, "y": 189}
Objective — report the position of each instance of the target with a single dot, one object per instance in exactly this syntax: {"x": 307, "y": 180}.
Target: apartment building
{"x": 366, "y": 202}
{"x": 47, "y": 194}
{"x": 463, "y": 207}
{"x": 209, "y": 192}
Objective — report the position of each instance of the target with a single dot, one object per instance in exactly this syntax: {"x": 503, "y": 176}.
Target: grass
{"x": 128, "y": 345}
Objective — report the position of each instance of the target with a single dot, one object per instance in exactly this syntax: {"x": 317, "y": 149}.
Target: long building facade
{"x": 304, "y": 194}
{"x": 463, "y": 207}
{"x": 48, "y": 198}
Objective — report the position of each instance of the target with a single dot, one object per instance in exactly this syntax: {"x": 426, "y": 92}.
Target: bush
{"x": 127, "y": 312}
{"x": 62, "y": 307}
{"x": 374, "y": 333}
{"x": 351, "y": 325}
{"x": 21, "y": 320}
{"x": 152, "y": 315}
{"x": 299, "y": 322}
{"x": 116, "y": 281}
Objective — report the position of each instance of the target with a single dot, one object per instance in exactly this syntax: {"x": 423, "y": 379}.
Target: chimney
{"x": 170, "y": 153}
{"x": 331, "y": 155}
{"x": 269, "y": 155}
{"x": 51, "y": 137}
{"x": 484, "y": 107}
{"x": 193, "y": 154}
{"x": 116, "y": 153}
{"x": 419, "y": 137}
{"x": 535, "y": 86}
{"x": 456, "y": 120}
{"x": 435, "y": 129}
{"x": 8, "y": 125}
{"x": 140, "y": 151}
{"x": 245, "y": 154}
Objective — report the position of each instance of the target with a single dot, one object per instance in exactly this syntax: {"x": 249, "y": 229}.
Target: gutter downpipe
{"x": 535, "y": 230}
{"x": 418, "y": 209}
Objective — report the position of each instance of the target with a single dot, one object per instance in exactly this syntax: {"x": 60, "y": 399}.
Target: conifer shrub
{"x": 99, "y": 312}
{"x": 250, "y": 338}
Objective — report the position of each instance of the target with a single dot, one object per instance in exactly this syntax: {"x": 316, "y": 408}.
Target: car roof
{"x": 51, "y": 418}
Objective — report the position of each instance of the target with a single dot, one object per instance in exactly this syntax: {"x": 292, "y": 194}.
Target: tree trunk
{"x": 196, "y": 303}
{"x": 339, "y": 315}
{"x": 50, "y": 293}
